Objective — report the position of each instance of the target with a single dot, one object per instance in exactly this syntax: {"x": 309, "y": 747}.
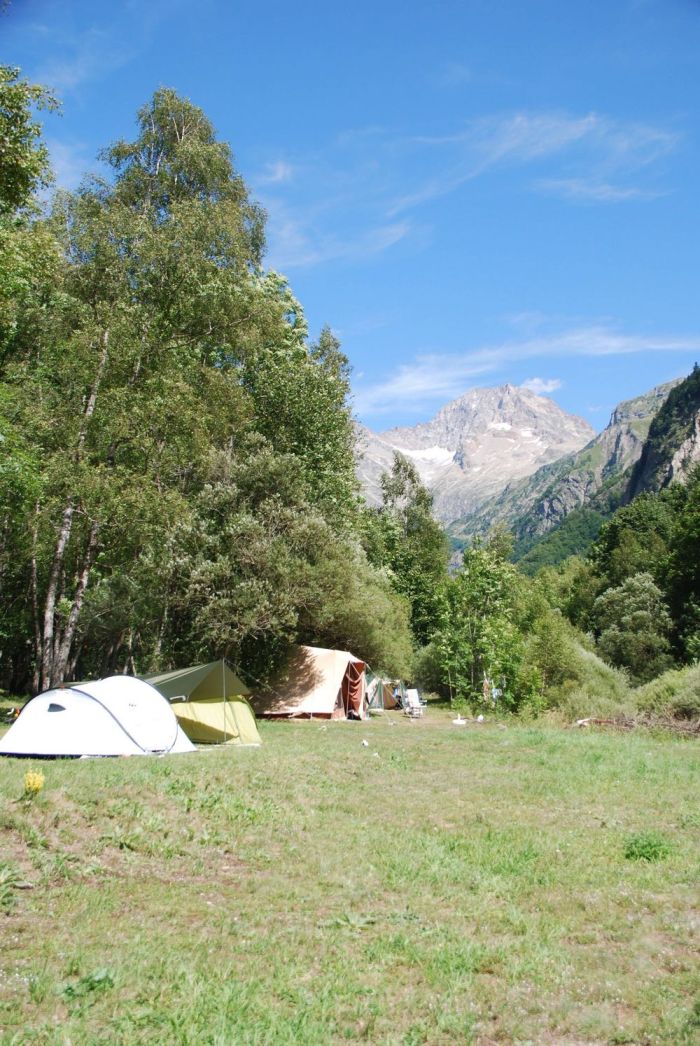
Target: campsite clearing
{"x": 436, "y": 885}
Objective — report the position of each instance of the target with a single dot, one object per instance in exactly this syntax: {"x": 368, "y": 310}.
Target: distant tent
{"x": 115, "y": 716}
{"x": 383, "y": 693}
{"x": 210, "y": 703}
{"x": 319, "y": 683}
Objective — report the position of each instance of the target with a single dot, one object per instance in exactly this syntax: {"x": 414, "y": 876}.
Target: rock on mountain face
{"x": 535, "y": 505}
{"x": 672, "y": 447}
{"x": 474, "y": 446}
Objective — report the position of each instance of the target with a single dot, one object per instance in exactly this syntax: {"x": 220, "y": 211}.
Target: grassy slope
{"x": 465, "y": 884}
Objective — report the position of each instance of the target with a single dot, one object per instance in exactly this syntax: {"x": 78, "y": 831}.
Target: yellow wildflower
{"x": 33, "y": 782}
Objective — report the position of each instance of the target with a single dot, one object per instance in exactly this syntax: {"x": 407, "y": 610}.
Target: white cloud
{"x": 116, "y": 34}
{"x": 542, "y": 386}
{"x": 437, "y": 377}
{"x": 277, "y": 172}
{"x": 357, "y": 193}
{"x": 294, "y": 242}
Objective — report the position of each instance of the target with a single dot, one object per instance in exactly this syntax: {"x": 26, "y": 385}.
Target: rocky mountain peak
{"x": 475, "y": 445}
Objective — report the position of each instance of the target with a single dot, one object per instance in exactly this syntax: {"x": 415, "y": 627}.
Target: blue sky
{"x": 468, "y": 191}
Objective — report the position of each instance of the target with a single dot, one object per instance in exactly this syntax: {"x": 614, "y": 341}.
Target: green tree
{"x": 633, "y": 627}
{"x": 406, "y": 541}
{"x": 24, "y": 159}
{"x": 300, "y": 398}
{"x": 182, "y": 479}
{"x": 637, "y": 538}
{"x": 132, "y": 373}
{"x": 478, "y": 637}
{"x": 157, "y": 269}
{"x": 683, "y": 571}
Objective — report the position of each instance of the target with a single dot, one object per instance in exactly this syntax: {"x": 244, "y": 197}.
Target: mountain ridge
{"x": 533, "y": 506}
{"x": 474, "y": 446}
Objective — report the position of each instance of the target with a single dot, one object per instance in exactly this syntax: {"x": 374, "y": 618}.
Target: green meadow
{"x": 486, "y": 884}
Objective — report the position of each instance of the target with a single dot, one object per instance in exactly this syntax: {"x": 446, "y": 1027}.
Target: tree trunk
{"x": 36, "y": 672}
{"x": 129, "y": 662}
{"x": 64, "y": 649}
{"x": 47, "y": 639}
{"x": 48, "y": 655}
{"x": 157, "y": 650}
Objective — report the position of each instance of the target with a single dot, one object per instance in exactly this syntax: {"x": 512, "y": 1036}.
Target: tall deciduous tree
{"x": 24, "y": 161}
{"x": 478, "y": 637}
{"x": 405, "y": 539}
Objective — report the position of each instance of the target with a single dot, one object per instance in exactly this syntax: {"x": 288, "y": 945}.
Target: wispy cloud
{"x": 597, "y": 149}
{"x": 115, "y": 35}
{"x": 359, "y": 193}
{"x": 293, "y": 243}
{"x": 435, "y": 377}
{"x": 84, "y": 57}
{"x": 542, "y": 386}
{"x": 276, "y": 172}
{"x": 579, "y": 189}
{"x": 453, "y": 74}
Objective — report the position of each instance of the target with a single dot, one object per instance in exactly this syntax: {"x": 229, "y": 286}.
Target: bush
{"x": 675, "y": 693}
{"x": 592, "y": 689}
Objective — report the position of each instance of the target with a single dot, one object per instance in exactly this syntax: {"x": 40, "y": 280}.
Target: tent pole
{"x": 223, "y": 680}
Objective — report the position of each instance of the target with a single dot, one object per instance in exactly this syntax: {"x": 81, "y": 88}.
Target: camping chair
{"x": 413, "y": 706}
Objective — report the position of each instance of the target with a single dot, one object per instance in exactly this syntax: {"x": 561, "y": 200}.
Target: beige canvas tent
{"x": 316, "y": 683}
{"x": 210, "y": 703}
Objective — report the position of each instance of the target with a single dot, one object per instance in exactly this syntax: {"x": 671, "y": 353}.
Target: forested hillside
{"x": 673, "y": 443}
{"x": 667, "y": 454}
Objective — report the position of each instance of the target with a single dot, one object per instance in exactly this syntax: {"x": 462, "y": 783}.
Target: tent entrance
{"x": 352, "y": 690}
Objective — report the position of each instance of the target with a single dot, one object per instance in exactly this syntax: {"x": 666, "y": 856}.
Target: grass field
{"x": 495, "y": 884}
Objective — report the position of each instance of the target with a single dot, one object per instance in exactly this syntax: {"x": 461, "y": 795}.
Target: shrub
{"x": 593, "y": 688}
{"x": 427, "y": 671}
{"x": 676, "y": 693}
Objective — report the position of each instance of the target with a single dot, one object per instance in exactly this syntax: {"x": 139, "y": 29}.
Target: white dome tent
{"x": 115, "y": 716}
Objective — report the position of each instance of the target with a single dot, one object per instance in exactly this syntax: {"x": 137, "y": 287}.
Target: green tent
{"x": 383, "y": 693}
{"x": 210, "y": 703}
